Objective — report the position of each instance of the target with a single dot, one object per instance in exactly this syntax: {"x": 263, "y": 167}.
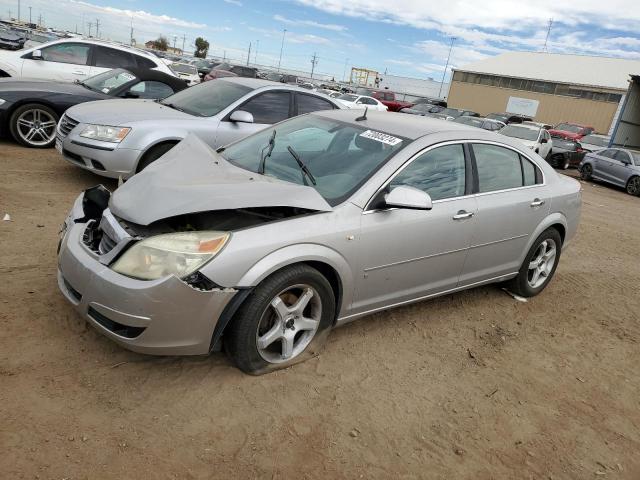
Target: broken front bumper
{"x": 161, "y": 317}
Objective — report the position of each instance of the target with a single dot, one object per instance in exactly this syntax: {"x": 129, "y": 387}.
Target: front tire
{"x": 285, "y": 321}
{"x": 633, "y": 186}
{"x": 586, "y": 172}
{"x": 539, "y": 265}
{"x": 34, "y": 125}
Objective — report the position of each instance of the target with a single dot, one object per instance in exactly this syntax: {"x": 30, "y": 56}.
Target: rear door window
{"x": 498, "y": 168}
{"x": 105, "y": 57}
{"x": 144, "y": 62}
{"x": 151, "y": 90}
{"x": 311, "y": 103}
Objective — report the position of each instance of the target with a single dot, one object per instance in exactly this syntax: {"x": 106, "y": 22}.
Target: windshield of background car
{"x": 497, "y": 116}
{"x": 636, "y": 158}
{"x": 348, "y": 97}
{"x": 450, "y": 112}
{"x": 565, "y": 127}
{"x": 222, "y": 66}
{"x": 423, "y": 107}
{"x": 183, "y": 68}
{"x": 274, "y": 77}
{"x": 598, "y": 141}
{"x": 559, "y": 142}
{"x": 341, "y": 156}
{"x": 208, "y": 98}
{"x": 473, "y": 121}
{"x": 522, "y": 133}
{"x": 109, "y": 81}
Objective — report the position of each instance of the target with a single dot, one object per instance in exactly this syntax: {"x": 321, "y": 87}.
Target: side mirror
{"x": 408, "y": 197}
{"x": 241, "y": 116}
{"x": 543, "y": 140}
{"x": 36, "y": 55}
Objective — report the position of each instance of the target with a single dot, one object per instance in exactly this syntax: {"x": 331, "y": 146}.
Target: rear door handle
{"x": 462, "y": 215}
{"x": 537, "y": 202}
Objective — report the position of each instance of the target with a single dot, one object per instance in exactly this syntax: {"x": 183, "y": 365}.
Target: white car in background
{"x": 73, "y": 59}
{"x": 351, "y": 100}
{"x": 186, "y": 72}
{"x": 534, "y": 137}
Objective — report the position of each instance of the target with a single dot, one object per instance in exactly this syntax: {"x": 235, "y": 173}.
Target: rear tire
{"x": 539, "y": 265}
{"x": 633, "y": 186}
{"x": 153, "y": 154}
{"x": 269, "y": 332}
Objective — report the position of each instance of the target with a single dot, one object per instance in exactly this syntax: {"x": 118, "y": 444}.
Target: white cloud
{"x": 310, "y": 23}
{"x": 292, "y": 37}
{"x": 233, "y": 2}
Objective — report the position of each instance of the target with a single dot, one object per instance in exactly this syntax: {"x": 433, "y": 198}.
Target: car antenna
{"x": 364, "y": 115}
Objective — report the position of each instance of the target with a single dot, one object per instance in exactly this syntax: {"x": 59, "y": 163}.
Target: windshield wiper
{"x": 175, "y": 107}
{"x": 302, "y": 166}
{"x": 269, "y": 148}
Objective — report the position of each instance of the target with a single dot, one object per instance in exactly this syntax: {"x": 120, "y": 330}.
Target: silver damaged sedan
{"x": 269, "y": 243}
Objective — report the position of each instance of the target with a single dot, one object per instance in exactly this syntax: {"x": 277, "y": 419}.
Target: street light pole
{"x": 284, "y": 32}
{"x": 344, "y": 70}
{"x": 444, "y": 74}
{"x": 29, "y": 15}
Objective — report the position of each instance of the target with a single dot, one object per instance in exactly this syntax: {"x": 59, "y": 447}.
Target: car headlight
{"x": 105, "y": 133}
{"x": 178, "y": 254}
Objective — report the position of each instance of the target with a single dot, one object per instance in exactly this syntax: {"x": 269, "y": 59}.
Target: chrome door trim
{"x": 456, "y": 142}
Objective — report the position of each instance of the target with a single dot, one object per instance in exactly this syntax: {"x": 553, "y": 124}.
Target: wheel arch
{"x": 555, "y": 220}
{"x": 156, "y": 143}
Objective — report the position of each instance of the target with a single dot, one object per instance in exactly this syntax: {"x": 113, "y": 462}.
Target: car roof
{"x": 106, "y": 43}
{"x": 251, "y": 82}
{"x": 394, "y": 123}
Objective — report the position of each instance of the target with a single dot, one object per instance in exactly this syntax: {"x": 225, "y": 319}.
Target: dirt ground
{"x": 474, "y": 386}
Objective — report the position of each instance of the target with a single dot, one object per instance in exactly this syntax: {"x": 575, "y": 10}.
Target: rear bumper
{"x": 160, "y": 317}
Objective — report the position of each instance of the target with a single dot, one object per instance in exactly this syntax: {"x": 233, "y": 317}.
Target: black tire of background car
{"x": 633, "y": 186}
{"x": 239, "y": 338}
{"x": 153, "y": 154}
{"x": 19, "y": 111}
{"x": 519, "y": 285}
{"x": 586, "y": 172}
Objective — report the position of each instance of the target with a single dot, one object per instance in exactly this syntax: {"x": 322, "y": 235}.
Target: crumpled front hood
{"x": 123, "y": 112}
{"x": 192, "y": 178}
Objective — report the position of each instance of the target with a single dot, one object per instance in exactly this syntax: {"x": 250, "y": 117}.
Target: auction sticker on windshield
{"x": 381, "y": 137}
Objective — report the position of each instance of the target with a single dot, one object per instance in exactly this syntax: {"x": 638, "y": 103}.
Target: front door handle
{"x": 462, "y": 215}
{"x": 537, "y": 202}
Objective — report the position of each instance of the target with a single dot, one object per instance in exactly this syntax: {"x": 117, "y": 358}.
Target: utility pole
{"x": 314, "y": 62}
{"x": 249, "y": 54}
{"x": 9, "y": 14}
{"x": 175, "y": 37}
{"x": 255, "y": 59}
{"x": 344, "y": 70}
{"x": 224, "y": 55}
{"x": 184, "y": 39}
{"x": 284, "y": 32}
{"x": 29, "y": 15}
{"x": 97, "y": 28}
{"x": 131, "y": 33}
{"x": 89, "y": 24}
{"x": 18, "y": 11}
{"x": 444, "y": 74}
{"x": 544, "y": 48}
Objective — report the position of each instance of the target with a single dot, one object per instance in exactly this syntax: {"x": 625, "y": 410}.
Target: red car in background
{"x": 571, "y": 131}
{"x": 386, "y": 97}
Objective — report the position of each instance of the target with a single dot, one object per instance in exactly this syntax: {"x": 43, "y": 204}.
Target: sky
{"x": 407, "y": 38}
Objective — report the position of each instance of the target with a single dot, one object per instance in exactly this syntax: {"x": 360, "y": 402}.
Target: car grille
{"x": 66, "y": 125}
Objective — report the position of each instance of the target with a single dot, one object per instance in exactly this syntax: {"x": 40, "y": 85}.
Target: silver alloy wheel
{"x": 36, "y": 127}
{"x": 541, "y": 265}
{"x": 289, "y": 323}
{"x": 633, "y": 187}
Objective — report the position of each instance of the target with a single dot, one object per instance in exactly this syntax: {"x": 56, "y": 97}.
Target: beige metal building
{"x": 575, "y": 88}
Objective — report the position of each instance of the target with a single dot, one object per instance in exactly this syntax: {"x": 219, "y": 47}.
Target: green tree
{"x": 161, "y": 44}
{"x": 202, "y": 47}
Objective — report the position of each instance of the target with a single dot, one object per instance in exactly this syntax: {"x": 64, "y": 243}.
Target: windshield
{"x": 497, "y": 116}
{"x": 636, "y": 158}
{"x": 274, "y": 77}
{"x": 593, "y": 140}
{"x": 340, "y": 156}
{"x": 183, "y": 68}
{"x": 423, "y": 107}
{"x": 566, "y": 127}
{"x": 450, "y": 112}
{"x": 473, "y": 121}
{"x": 348, "y": 97}
{"x": 561, "y": 143}
{"x": 109, "y": 81}
{"x": 522, "y": 133}
{"x": 207, "y": 99}
{"x": 222, "y": 66}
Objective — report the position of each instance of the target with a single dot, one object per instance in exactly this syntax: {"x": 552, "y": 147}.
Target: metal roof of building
{"x": 585, "y": 70}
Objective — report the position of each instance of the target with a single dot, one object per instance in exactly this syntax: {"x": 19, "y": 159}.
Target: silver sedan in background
{"x": 269, "y": 243}
{"x": 618, "y": 166}
{"x": 116, "y": 138}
